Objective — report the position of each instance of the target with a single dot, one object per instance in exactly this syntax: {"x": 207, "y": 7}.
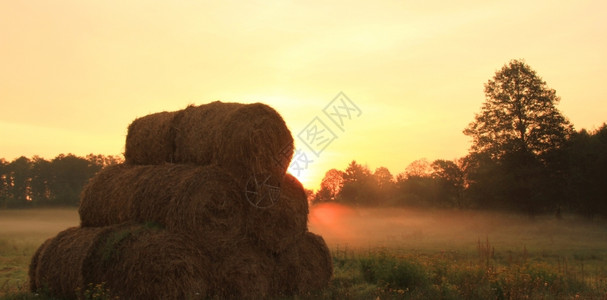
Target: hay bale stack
{"x": 245, "y": 139}
{"x": 131, "y": 261}
{"x": 193, "y": 213}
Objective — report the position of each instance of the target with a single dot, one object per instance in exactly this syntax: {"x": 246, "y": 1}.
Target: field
{"x": 21, "y": 233}
{"x": 400, "y": 253}
{"x": 414, "y": 254}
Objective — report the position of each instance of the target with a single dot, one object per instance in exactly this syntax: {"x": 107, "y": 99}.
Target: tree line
{"x": 37, "y": 182}
{"x": 525, "y": 156}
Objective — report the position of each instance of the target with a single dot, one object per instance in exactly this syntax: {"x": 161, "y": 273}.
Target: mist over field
{"x": 418, "y": 229}
{"x": 36, "y": 223}
{"x": 363, "y": 228}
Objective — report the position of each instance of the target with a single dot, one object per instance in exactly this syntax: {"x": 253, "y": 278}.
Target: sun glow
{"x": 333, "y": 220}
{"x": 302, "y": 177}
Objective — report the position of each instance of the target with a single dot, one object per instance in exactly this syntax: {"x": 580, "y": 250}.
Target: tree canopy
{"x": 519, "y": 115}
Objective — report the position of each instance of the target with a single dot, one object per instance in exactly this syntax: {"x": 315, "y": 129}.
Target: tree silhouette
{"x": 418, "y": 168}
{"x": 519, "y": 115}
{"x": 416, "y": 186}
{"x": 385, "y": 186}
{"x": 450, "y": 181}
{"x": 42, "y": 176}
{"x": 18, "y": 178}
{"x": 4, "y": 183}
{"x": 358, "y": 186}
{"x": 34, "y": 182}
{"x": 517, "y": 129}
{"x": 586, "y": 159}
{"x": 330, "y": 186}
{"x": 71, "y": 173}
{"x": 383, "y": 179}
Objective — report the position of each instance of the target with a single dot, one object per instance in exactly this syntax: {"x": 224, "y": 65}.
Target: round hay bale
{"x": 276, "y": 228}
{"x": 33, "y": 267}
{"x": 209, "y": 206}
{"x": 143, "y": 262}
{"x": 127, "y": 260}
{"x": 199, "y": 131}
{"x": 305, "y": 267}
{"x": 245, "y": 139}
{"x": 246, "y": 272}
{"x": 150, "y": 139}
{"x": 109, "y": 196}
{"x": 59, "y": 267}
{"x": 255, "y": 141}
{"x": 202, "y": 201}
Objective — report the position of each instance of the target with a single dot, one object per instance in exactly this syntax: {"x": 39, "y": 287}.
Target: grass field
{"x": 21, "y": 233}
{"x": 415, "y": 254}
{"x": 400, "y": 253}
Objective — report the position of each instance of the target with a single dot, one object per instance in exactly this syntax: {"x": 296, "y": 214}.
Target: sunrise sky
{"x": 74, "y": 74}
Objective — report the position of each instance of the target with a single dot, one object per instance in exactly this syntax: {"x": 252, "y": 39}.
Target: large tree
{"x": 518, "y": 116}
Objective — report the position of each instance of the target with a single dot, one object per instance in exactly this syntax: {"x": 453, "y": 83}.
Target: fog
{"x": 35, "y": 224}
{"x": 403, "y": 228}
{"x": 399, "y": 228}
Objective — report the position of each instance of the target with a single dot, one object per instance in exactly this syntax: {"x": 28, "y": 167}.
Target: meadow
{"x": 21, "y": 233}
{"x": 399, "y": 253}
{"x": 439, "y": 254}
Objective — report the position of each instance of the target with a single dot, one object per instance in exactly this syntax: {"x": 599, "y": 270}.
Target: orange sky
{"x": 74, "y": 74}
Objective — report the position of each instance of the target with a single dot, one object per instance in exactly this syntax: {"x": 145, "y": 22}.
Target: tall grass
{"x": 487, "y": 274}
